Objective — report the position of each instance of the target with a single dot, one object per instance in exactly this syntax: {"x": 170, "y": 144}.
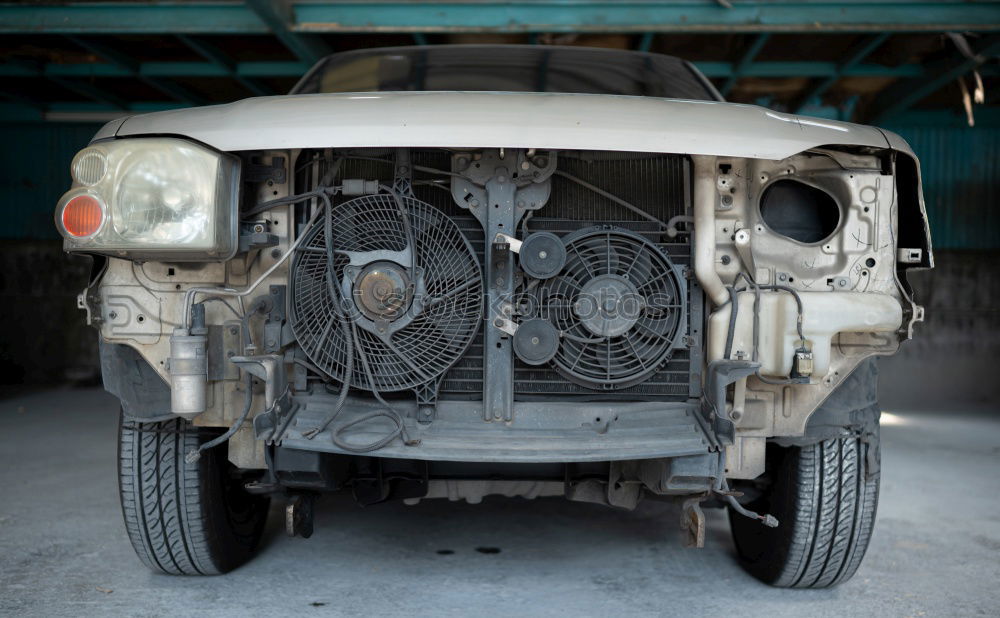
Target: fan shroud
{"x": 441, "y": 320}
{"x": 609, "y": 351}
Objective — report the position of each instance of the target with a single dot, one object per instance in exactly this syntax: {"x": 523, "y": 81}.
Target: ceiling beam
{"x": 287, "y": 18}
{"x": 129, "y": 18}
{"x": 278, "y": 17}
{"x": 123, "y": 61}
{"x": 807, "y": 69}
{"x": 854, "y": 57}
{"x": 646, "y": 42}
{"x": 219, "y": 59}
{"x": 643, "y": 16}
{"x": 748, "y": 55}
{"x": 90, "y": 91}
{"x": 903, "y": 95}
{"x": 297, "y": 69}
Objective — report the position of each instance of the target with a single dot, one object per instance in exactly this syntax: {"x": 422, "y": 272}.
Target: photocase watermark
{"x": 603, "y": 304}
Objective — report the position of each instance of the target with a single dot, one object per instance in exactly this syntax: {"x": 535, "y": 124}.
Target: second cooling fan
{"x": 619, "y": 306}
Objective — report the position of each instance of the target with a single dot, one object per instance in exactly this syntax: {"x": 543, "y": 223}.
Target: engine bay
{"x": 522, "y": 305}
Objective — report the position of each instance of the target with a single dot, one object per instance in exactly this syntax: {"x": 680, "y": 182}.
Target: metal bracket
{"x": 402, "y": 180}
{"x": 498, "y": 187}
{"x": 427, "y": 394}
{"x": 275, "y": 320}
{"x": 277, "y": 398}
{"x": 720, "y": 374}
{"x": 693, "y": 522}
{"x": 742, "y": 239}
{"x": 256, "y": 172}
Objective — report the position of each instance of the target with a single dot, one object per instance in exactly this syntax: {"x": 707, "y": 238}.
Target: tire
{"x": 184, "y": 518}
{"x": 824, "y": 497}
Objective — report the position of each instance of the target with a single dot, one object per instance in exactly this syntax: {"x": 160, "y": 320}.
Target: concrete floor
{"x": 63, "y": 548}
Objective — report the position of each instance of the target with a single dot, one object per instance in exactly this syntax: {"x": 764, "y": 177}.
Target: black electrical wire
{"x": 352, "y": 344}
{"x": 733, "y": 308}
{"x": 387, "y": 412}
{"x": 343, "y": 320}
{"x": 756, "y": 323}
{"x": 319, "y": 192}
{"x": 407, "y": 227}
{"x": 798, "y": 302}
{"x": 194, "y": 455}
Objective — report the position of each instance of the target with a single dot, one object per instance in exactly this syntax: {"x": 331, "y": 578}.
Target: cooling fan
{"x": 414, "y": 309}
{"x": 618, "y": 305}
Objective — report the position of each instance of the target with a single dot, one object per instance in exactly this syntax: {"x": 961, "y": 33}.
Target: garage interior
{"x": 927, "y": 70}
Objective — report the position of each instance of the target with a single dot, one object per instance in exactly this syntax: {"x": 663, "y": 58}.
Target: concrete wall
{"x": 953, "y": 357}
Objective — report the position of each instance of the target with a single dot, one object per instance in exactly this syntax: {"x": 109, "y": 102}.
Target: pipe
{"x": 704, "y": 230}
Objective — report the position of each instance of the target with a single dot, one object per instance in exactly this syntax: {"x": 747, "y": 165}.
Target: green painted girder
{"x": 226, "y": 17}
{"x": 745, "y": 62}
{"x": 130, "y": 18}
{"x": 124, "y": 61}
{"x": 297, "y": 69}
{"x": 278, "y": 18}
{"x": 219, "y": 59}
{"x": 855, "y": 56}
{"x": 159, "y": 69}
{"x": 807, "y": 69}
{"x": 903, "y": 95}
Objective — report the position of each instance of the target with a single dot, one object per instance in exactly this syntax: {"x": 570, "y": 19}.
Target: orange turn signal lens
{"x": 82, "y": 216}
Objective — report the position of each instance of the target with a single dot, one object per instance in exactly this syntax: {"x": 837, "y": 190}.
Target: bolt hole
{"x": 140, "y": 319}
{"x": 870, "y": 262}
{"x": 867, "y": 209}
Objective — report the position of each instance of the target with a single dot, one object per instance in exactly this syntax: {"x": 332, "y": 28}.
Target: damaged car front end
{"x": 420, "y": 294}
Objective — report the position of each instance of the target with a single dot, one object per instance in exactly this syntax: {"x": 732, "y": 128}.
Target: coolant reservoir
{"x": 825, "y": 315}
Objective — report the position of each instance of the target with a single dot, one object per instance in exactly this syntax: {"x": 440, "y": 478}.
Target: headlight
{"x": 152, "y": 198}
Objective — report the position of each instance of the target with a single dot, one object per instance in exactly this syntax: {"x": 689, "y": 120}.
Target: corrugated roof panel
{"x": 961, "y": 177}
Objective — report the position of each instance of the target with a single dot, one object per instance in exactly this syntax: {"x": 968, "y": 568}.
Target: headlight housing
{"x": 152, "y": 198}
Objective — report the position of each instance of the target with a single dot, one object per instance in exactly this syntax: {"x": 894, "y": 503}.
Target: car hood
{"x": 493, "y": 120}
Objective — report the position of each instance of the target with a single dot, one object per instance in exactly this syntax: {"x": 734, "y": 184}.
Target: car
{"x": 463, "y": 271}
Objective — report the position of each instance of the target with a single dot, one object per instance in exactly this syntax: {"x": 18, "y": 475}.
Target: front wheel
{"x": 824, "y": 496}
{"x": 184, "y": 518}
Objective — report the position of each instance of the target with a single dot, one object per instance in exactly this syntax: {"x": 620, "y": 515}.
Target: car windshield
{"x": 508, "y": 68}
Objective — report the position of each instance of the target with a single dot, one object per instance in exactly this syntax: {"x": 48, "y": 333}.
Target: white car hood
{"x": 493, "y": 120}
